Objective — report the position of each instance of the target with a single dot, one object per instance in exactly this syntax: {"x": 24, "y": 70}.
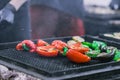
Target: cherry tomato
{"x": 47, "y": 51}
{"x": 77, "y": 57}
{"x": 41, "y": 43}
{"x": 59, "y": 44}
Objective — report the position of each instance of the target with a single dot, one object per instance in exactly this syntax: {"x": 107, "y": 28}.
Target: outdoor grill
{"x": 55, "y": 68}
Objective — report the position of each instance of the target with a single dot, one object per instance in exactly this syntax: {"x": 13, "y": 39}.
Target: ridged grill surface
{"x": 44, "y": 64}
{"x": 34, "y": 60}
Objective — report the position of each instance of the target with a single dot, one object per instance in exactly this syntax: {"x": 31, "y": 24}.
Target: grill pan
{"x": 54, "y": 68}
{"x": 109, "y": 38}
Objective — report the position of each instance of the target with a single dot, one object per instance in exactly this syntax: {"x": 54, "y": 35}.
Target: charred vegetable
{"x": 59, "y": 44}
{"x": 117, "y": 56}
{"x": 26, "y": 45}
{"x": 78, "y": 47}
{"x": 97, "y": 44}
{"x": 77, "y": 57}
{"x": 78, "y": 39}
{"x": 41, "y": 42}
{"x": 103, "y": 48}
{"x": 88, "y": 44}
{"x": 104, "y": 56}
{"x": 47, "y": 51}
{"x": 70, "y": 42}
{"x": 93, "y": 53}
{"x": 65, "y": 49}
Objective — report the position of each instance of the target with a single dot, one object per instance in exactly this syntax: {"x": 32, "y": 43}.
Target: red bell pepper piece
{"x": 19, "y": 46}
{"x": 41, "y": 43}
{"x": 59, "y": 44}
{"x": 77, "y": 57}
{"x": 26, "y": 45}
{"x": 47, "y": 51}
{"x": 78, "y": 47}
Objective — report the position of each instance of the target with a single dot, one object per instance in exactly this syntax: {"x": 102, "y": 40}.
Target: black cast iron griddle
{"x": 54, "y": 68}
{"x": 109, "y": 38}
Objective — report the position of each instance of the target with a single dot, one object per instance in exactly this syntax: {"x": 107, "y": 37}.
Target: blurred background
{"x": 56, "y": 18}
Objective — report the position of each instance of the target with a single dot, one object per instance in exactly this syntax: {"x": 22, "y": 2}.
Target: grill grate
{"x": 55, "y": 66}
{"x": 43, "y": 63}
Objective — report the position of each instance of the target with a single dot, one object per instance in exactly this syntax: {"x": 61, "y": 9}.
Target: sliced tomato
{"x": 77, "y": 57}
{"x": 78, "y": 47}
{"x": 47, "y": 51}
{"x": 59, "y": 44}
{"x": 41, "y": 42}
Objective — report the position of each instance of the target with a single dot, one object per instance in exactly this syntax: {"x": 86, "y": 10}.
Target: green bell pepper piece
{"x": 93, "y": 53}
{"x": 25, "y": 47}
{"x": 110, "y": 48}
{"x": 117, "y": 56}
{"x": 65, "y": 49}
{"x": 87, "y": 44}
{"x": 96, "y": 45}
